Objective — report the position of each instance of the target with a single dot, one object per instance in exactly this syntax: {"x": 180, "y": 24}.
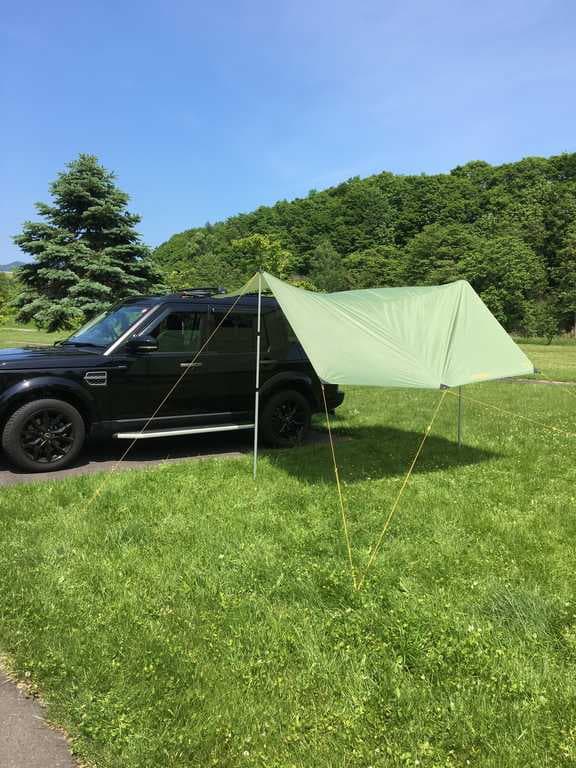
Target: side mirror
{"x": 143, "y": 344}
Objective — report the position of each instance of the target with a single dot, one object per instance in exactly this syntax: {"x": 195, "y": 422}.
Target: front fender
{"x": 52, "y": 386}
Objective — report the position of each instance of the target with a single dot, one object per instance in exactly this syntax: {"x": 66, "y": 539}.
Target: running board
{"x": 178, "y": 432}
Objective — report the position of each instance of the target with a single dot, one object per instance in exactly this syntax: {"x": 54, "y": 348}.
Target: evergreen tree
{"x": 87, "y": 254}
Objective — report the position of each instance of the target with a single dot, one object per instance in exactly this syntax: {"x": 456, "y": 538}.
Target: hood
{"x": 47, "y": 357}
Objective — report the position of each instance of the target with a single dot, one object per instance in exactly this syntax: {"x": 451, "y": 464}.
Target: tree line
{"x": 510, "y": 230}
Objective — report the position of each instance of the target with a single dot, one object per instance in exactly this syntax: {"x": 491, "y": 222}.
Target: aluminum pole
{"x": 459, "y": 417}
{"x": 257, "y": 393}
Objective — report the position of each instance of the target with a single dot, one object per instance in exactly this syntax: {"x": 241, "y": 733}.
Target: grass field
{"x": 13, "y": 335}
{"x": 554, "y": 361}
{"x": 190, "y": 617}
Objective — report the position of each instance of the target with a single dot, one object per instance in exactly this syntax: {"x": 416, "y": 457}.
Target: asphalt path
{"x": 26, "y": 741}
{"x": 102, "y": 456}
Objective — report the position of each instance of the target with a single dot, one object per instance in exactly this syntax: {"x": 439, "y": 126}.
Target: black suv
{"x": 110, "y": 377}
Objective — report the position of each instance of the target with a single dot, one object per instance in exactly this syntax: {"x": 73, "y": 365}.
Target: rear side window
{"x": 280, "y": 333}
{"x": 237, "y": 333}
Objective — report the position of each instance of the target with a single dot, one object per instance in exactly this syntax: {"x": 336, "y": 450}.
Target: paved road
{"x": 25, "y": 739}
{"x": 102, "y": 456}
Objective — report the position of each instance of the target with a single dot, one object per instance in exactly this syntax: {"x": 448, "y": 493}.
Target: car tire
{"x": 43, "y": 435}
{"x": 285, "y": 420}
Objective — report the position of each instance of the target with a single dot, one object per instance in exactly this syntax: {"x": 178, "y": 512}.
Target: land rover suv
{"x": 108, "y": 379}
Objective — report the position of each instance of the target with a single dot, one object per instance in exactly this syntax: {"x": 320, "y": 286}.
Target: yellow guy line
{"x": 570, "y": 391}
{"x": 102, "y": 485}
{"x": 342, "y": 509}
{"x": 561, "y": 385}
{"x": 511, "y": 413}
{"x": 376, "y": 549}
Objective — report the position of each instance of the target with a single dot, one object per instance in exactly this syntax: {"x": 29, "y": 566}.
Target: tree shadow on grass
{"x": 371, "y": 453}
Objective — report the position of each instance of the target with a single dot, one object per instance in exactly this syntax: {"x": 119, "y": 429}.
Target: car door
{"x": 229, "y": 360}
{"x": 151, "y": 377}
{"x": 176, "y": 369}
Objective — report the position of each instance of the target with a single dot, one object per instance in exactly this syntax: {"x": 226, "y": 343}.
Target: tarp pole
{"x": 257, "y": 392}
{"x": 459, "y": 417}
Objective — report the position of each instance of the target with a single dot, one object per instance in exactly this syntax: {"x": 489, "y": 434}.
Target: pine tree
{"x": 87, "y": 254}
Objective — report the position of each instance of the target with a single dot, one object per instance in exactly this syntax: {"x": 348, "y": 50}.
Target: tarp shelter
{"x": 426, "y": 337}
{"x": 430, "y": 337}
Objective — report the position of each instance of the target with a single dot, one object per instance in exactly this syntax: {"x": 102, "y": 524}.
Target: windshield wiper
{"x": 81, "y": 344}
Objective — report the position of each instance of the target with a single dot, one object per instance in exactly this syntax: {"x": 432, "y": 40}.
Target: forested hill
{"x": 510, "y": 230}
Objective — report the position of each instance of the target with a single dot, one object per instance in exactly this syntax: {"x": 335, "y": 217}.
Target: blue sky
{"x": 206, "y": 109}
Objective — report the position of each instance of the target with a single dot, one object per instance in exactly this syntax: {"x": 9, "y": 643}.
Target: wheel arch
{"x": 288, "y": 380}
{"x": 46, "y": 387}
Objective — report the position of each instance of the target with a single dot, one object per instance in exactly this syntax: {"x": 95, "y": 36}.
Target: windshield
{"x": 107, "y": 328}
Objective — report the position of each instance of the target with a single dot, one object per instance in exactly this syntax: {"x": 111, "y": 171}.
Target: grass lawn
{"x": 190, "y": 617}
{"x": 13, "y": 335}
{"x": 554, "y": 361}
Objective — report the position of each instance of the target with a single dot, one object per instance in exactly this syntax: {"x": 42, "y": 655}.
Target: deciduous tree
{"x": 327, "y": 271}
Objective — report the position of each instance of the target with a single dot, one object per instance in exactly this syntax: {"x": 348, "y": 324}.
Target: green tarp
{"x": 427, "y": 337}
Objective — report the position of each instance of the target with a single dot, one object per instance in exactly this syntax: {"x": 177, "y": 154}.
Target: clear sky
{"x": 205, "y": 109}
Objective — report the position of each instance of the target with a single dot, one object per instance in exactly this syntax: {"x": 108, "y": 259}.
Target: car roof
{"x": 248, "y": 300}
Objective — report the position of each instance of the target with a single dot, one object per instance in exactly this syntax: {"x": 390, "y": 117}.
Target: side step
{"x": 184, "y": 431}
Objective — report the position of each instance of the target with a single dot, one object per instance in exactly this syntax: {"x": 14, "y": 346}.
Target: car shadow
{"x": 370, "y": 453}
{"x": 104, "y": 455}
{"x": 362, "y": 453}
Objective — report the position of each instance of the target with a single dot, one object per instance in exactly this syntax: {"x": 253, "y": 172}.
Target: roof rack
{"x": 209, "y": 291}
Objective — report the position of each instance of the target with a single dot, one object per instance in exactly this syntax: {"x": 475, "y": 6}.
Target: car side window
{"x": 179, "y": 332}
{"x": 279, "y": 330}
{"x": 237, "y": 332}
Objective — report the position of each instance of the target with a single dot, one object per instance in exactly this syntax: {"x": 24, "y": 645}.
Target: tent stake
{"x": 459, "y": 417}
{"x": 257, "y": 392}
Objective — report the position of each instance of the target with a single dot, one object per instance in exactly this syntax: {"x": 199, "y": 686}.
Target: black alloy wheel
{"x": 286, "y": 418}
{"x": 43, "y": 435}
{"x": 47, "y": 436}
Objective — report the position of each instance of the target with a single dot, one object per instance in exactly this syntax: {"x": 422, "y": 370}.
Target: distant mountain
{"x": 12, "y": 265}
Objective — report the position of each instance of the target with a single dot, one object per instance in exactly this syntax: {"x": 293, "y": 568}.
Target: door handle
{"x": 267, "y": 362}
{"x": 190, "y": 365}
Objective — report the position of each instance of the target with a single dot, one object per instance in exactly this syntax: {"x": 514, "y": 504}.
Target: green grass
{"x": 553, "y": 361}
{"x": 14, "y": 335}
{"x": 565, "y": 340}
{"x": 190, "y": 617}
